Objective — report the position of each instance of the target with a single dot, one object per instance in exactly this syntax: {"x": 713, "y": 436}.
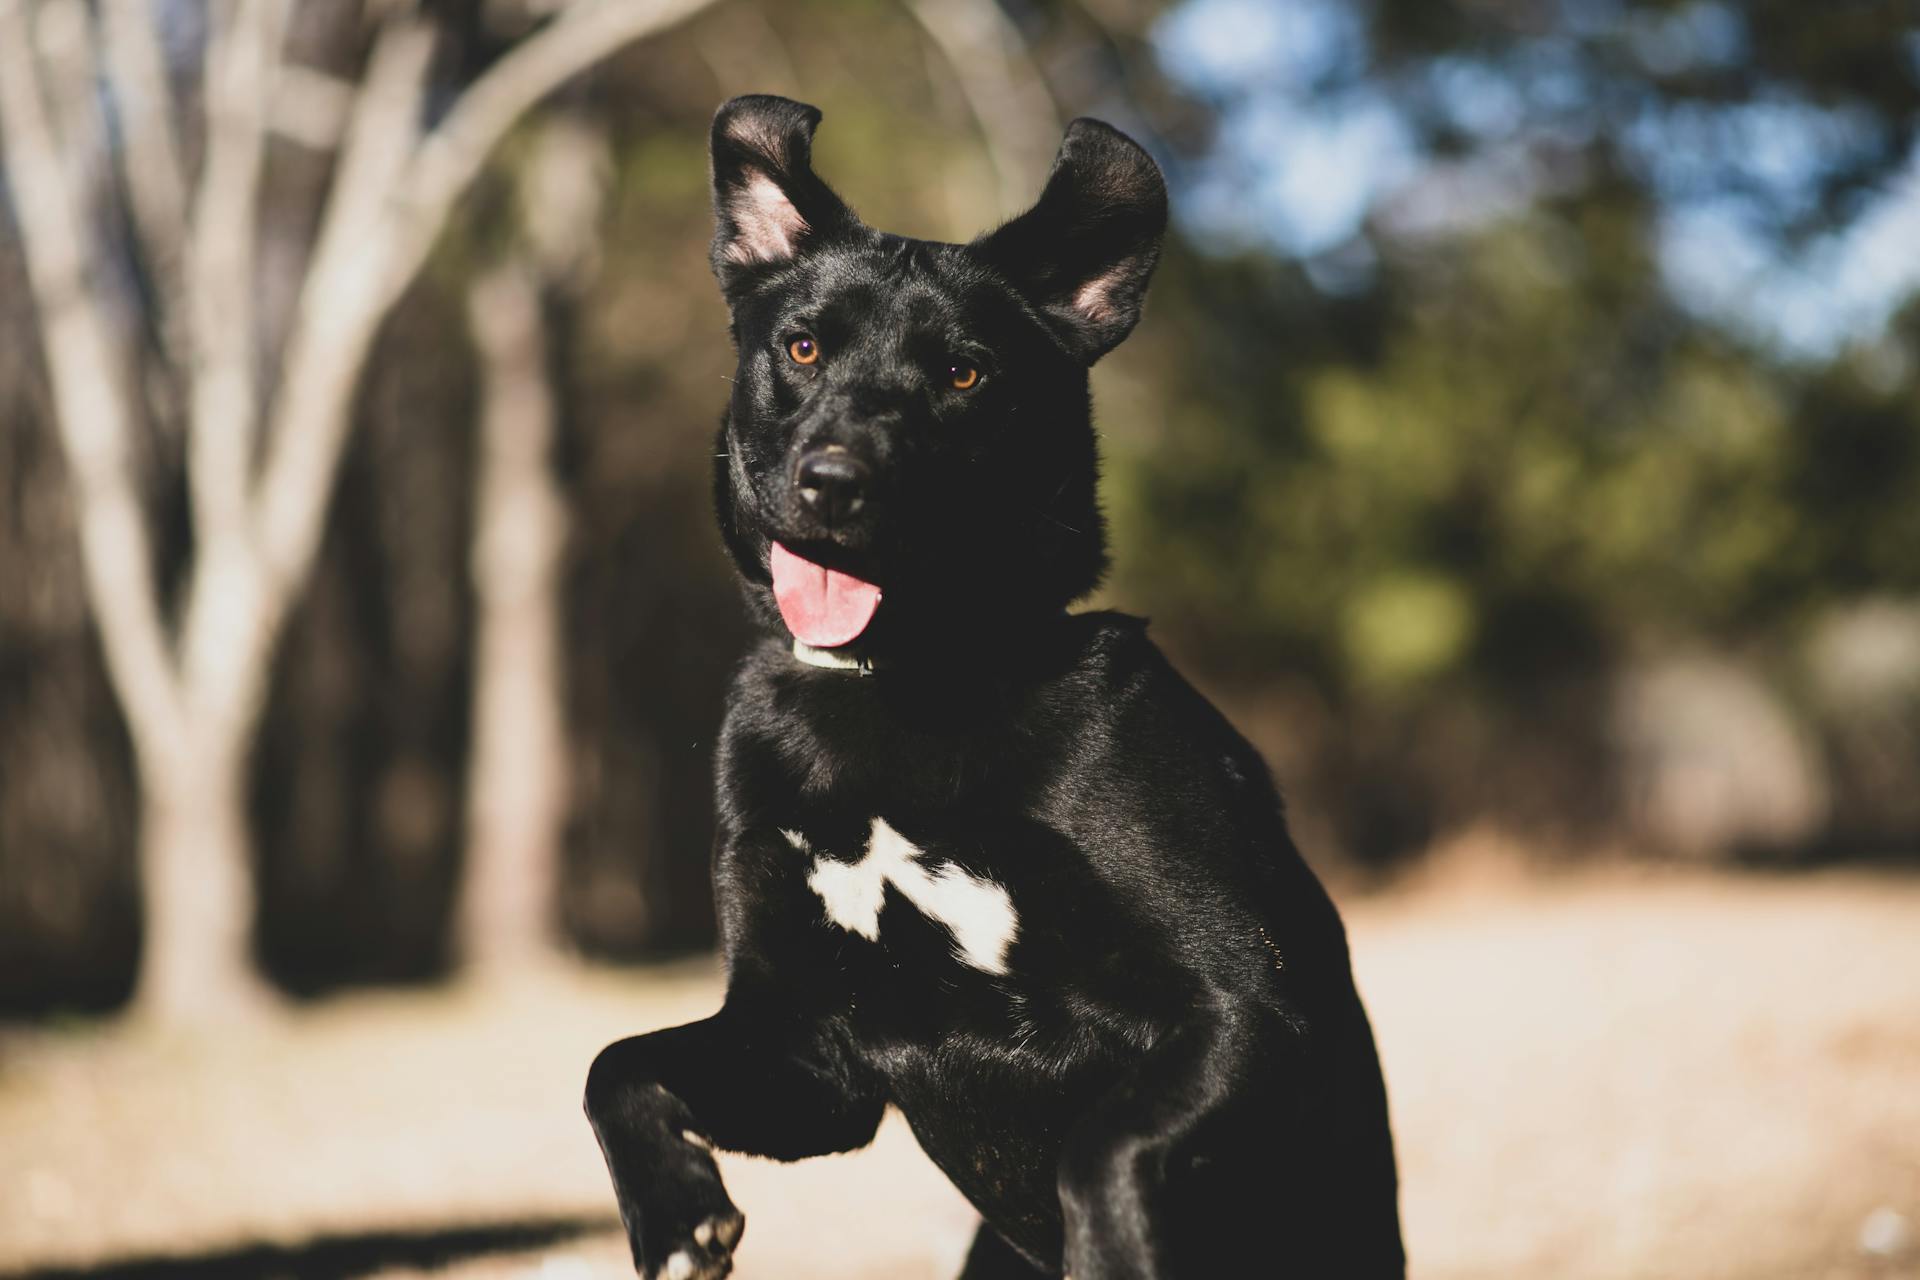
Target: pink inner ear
{"x": 1091, "y": 300}
{"x": 766, "y": 225}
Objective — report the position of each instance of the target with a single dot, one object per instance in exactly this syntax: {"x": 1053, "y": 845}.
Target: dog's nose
{"x": 833, "y": 484}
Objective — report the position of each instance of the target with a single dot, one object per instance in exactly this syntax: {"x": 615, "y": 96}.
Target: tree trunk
{"x": 517, "y": 793}
{"x": 192, "y": 707}
{"x": 196, "y": 958}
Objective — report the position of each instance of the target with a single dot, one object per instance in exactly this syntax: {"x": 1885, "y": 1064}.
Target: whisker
{"x": 1048, "y": 515}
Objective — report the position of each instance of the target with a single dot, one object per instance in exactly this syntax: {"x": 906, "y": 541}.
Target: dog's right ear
{"x": 1084, "y": 254}
{"x": 767, "y": 203}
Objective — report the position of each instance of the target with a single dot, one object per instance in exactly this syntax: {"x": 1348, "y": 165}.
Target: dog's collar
{"x": 831, "y": 659}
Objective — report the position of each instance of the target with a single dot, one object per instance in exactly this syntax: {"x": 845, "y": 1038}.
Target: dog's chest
{"x": 890, "y": 883}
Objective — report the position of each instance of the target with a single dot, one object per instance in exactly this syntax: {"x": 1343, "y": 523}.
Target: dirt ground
{"x": 1603, "y": 1078}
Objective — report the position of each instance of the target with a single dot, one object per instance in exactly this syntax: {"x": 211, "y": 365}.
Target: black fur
{"x": 1174, "y": 1076}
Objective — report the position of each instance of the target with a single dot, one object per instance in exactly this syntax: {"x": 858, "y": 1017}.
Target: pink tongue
{"x": 822, "y": 607}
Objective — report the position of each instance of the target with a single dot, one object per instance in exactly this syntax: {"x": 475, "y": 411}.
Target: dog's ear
{"x": 1084, "y": 253}
{"x": 767, "y": 203}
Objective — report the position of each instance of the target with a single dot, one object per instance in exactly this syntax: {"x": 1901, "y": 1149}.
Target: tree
{"x": 1512, "y": 346}
{"x": 517, "y": 791}
{"x": 260, "y": 458}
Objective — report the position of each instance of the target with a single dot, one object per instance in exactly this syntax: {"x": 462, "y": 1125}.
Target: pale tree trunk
{"x": 193, "y": 699}
{"x": 198, "y": 896}
{"x": 517, "y": 802}
{"x": 517, "y": 778}
{"x": 193, "y": 849}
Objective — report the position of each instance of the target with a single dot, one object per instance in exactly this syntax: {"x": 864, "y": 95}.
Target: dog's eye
{"x": 804, "y": 350}
{"x": 964, "y": 376}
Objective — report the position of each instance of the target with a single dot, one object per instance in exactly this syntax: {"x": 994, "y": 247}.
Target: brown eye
{"x": 964, "y": 377}
{"x": 804, "y": 350}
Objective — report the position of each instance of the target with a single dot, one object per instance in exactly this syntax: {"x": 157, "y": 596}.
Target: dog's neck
{"x": 954, "y": 654}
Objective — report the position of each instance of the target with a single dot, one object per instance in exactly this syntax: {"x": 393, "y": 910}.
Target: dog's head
{"x": 909, "y": 453}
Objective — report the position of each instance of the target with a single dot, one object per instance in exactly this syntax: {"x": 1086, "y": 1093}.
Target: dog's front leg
{"x": 1127, "y": 1193}
{"x": 763, "y": 1083}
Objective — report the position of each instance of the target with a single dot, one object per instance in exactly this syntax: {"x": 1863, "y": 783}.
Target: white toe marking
{"x": 703, "y": 1234}
{"x": 688, "y": 1135}
{"x": 978, "y": 913}
{"x": 679, "y": 1266}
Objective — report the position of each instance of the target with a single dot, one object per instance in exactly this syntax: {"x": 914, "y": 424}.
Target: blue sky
{"x": 1311, "y": 146}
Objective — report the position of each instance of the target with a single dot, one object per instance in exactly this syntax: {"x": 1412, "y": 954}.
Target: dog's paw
{"x": 680, "y": 1221}
{"x": 705, "y": 1252}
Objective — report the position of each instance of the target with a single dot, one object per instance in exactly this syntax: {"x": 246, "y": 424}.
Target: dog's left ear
{"x": 767, "y": 202}
{"x": 1084, "y": 253}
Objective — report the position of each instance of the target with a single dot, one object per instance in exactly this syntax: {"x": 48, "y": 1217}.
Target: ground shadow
{"x": 338, "y": 1257}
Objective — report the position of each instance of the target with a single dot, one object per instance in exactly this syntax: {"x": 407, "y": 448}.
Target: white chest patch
{"x": 978, "y": 913}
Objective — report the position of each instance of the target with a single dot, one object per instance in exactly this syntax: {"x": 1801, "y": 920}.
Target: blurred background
{"x": 1522, "y": 444}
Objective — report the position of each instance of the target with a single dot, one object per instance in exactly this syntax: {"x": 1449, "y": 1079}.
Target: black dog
{"x": 986, "y": 861}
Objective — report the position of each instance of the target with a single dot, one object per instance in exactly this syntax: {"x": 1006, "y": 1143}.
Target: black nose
{"x": 833, "y": 484}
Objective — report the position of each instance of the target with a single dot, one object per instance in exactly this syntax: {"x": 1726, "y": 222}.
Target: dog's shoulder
{"x": 1108, "y": 640}
{"x": 1120, "y": 677}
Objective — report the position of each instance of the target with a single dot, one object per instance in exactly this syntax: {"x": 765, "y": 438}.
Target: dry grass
{"x": 1595, "y": 1079}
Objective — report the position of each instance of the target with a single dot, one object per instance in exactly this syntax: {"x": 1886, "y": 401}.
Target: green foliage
{"x": 1525, "y": 456}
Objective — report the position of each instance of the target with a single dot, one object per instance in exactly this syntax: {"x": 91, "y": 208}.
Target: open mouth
{"x": 823, "y": 607}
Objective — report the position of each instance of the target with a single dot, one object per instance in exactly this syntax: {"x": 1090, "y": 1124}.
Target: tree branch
{"x": 311, "y": 107}
{"x": 149, "y": 157}
{"x": 388, "y": 205}
{"x": 373, "y": 242}
{"x": 63, "y": 49}
{"x": 341, "y": 302}
{"x": 91, "y": 406}
{"x": 242, "y": 57}
{"x": 452, "y": 155}
{"x": 1009, "y": 101}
